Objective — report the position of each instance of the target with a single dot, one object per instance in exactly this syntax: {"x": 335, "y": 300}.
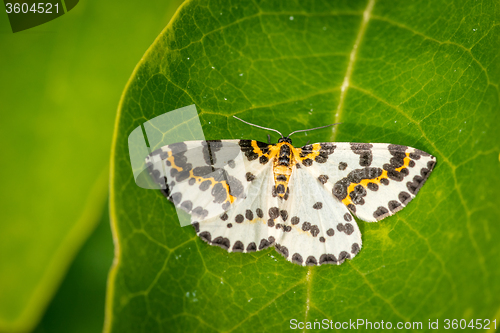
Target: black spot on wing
{"x": 318, "y": 205}
{"x": 415, "y": 185}
{"x": 239, "y": 218}
{"x": 314, "y": 230}
{"x": 355, "y": 248}
{"x": 397, "y": 161}
{"x": 202, "y": 171}
{"x": 297, "y": 259}
{"x": 273, "y": 192}
{"x": 274, "y": 212}
{"x": 251, "y": 154}
{"x": 325, "y": 150}
{"x": 364, "y": 152}
{"x": 348, "y": 229}
{"x": 307, "y": 162}
{"x": 219, "y": 193}
{"x": 247, "y": 149}
{"x": 373, "y": 187}
{"x": 306, "y": 150}
{"x": 417, "y": 154}
{"x": 357, "y": 195}
{"x": 323, "y": 179}
{"x": 356, "y": 176}
{"x": 210, "y": 147}
{"x": 281, "y": 250}
{"x": 394, "y": 206}
{"x": 236, "y": 188}
{"x": 250, "y": 176}
{"x": 352, "y": 208}
{"x": 264, "y": 243}
{"x": 380, "y": 213}
{"x": 404, "y": 197}
{"x": 311, "y": 261}
{"x": 206, "y": 236}
{"x": 200, "y": 212}
{"x": 238, "y": 246}
{"x": 306, "y": 226}
{"x": 205, "y": 185}
{"x": 176, "y": 198}
{"x": 187, "y": 205}
{"x": 327, "y": 259}
{"x": 178, "y": 147}
{"x": 221, "y": 242}
{"x": 343, "y": 256}
{"x": 251, "y": 247}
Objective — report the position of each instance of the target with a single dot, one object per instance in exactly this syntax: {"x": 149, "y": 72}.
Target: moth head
{"x": 285, "y": 139}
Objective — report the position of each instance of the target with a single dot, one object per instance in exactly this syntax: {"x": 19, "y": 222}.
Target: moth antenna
{"x": 270, "y": 129}
{"x": 312, "y": 129}
{"x": 268, "y": 139}
{"x": 308, "y": 142}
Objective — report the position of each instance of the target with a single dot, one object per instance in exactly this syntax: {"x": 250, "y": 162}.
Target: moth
{"x": 246, "y": 195}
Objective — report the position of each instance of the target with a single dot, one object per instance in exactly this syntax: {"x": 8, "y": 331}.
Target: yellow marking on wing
{"x": 273, "y": 150}
{"x": 256, "y": 220}
{"x": 170, "y": 158}
{"x": 199, "y": 179}
{"x": 347, "y": 200}
{"x": 312, "y": 155}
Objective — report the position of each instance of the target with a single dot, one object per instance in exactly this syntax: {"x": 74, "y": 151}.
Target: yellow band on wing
{"x": 347, "y": 200}
{"x": 199, "y": 179}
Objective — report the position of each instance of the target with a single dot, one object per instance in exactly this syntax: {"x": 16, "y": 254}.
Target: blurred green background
{"x": 59, "y": 90}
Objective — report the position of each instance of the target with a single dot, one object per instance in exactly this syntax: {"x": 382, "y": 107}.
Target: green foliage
{"x": 78, "y": 305}
{"x": 420, "y": 74}
{"x": 59, "y": 90}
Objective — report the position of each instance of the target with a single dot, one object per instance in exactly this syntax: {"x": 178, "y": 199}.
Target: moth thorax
{"x": 285, "y": 155}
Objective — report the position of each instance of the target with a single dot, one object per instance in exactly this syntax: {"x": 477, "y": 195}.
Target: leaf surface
{"x": 424, "y": 75}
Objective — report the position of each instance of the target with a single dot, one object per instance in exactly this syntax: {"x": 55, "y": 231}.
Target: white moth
{"x": 299, "y": 200}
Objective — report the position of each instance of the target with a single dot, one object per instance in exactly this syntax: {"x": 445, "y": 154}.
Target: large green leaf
{"x": 59, "y": 89}
{"x": 421, "y": 74}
